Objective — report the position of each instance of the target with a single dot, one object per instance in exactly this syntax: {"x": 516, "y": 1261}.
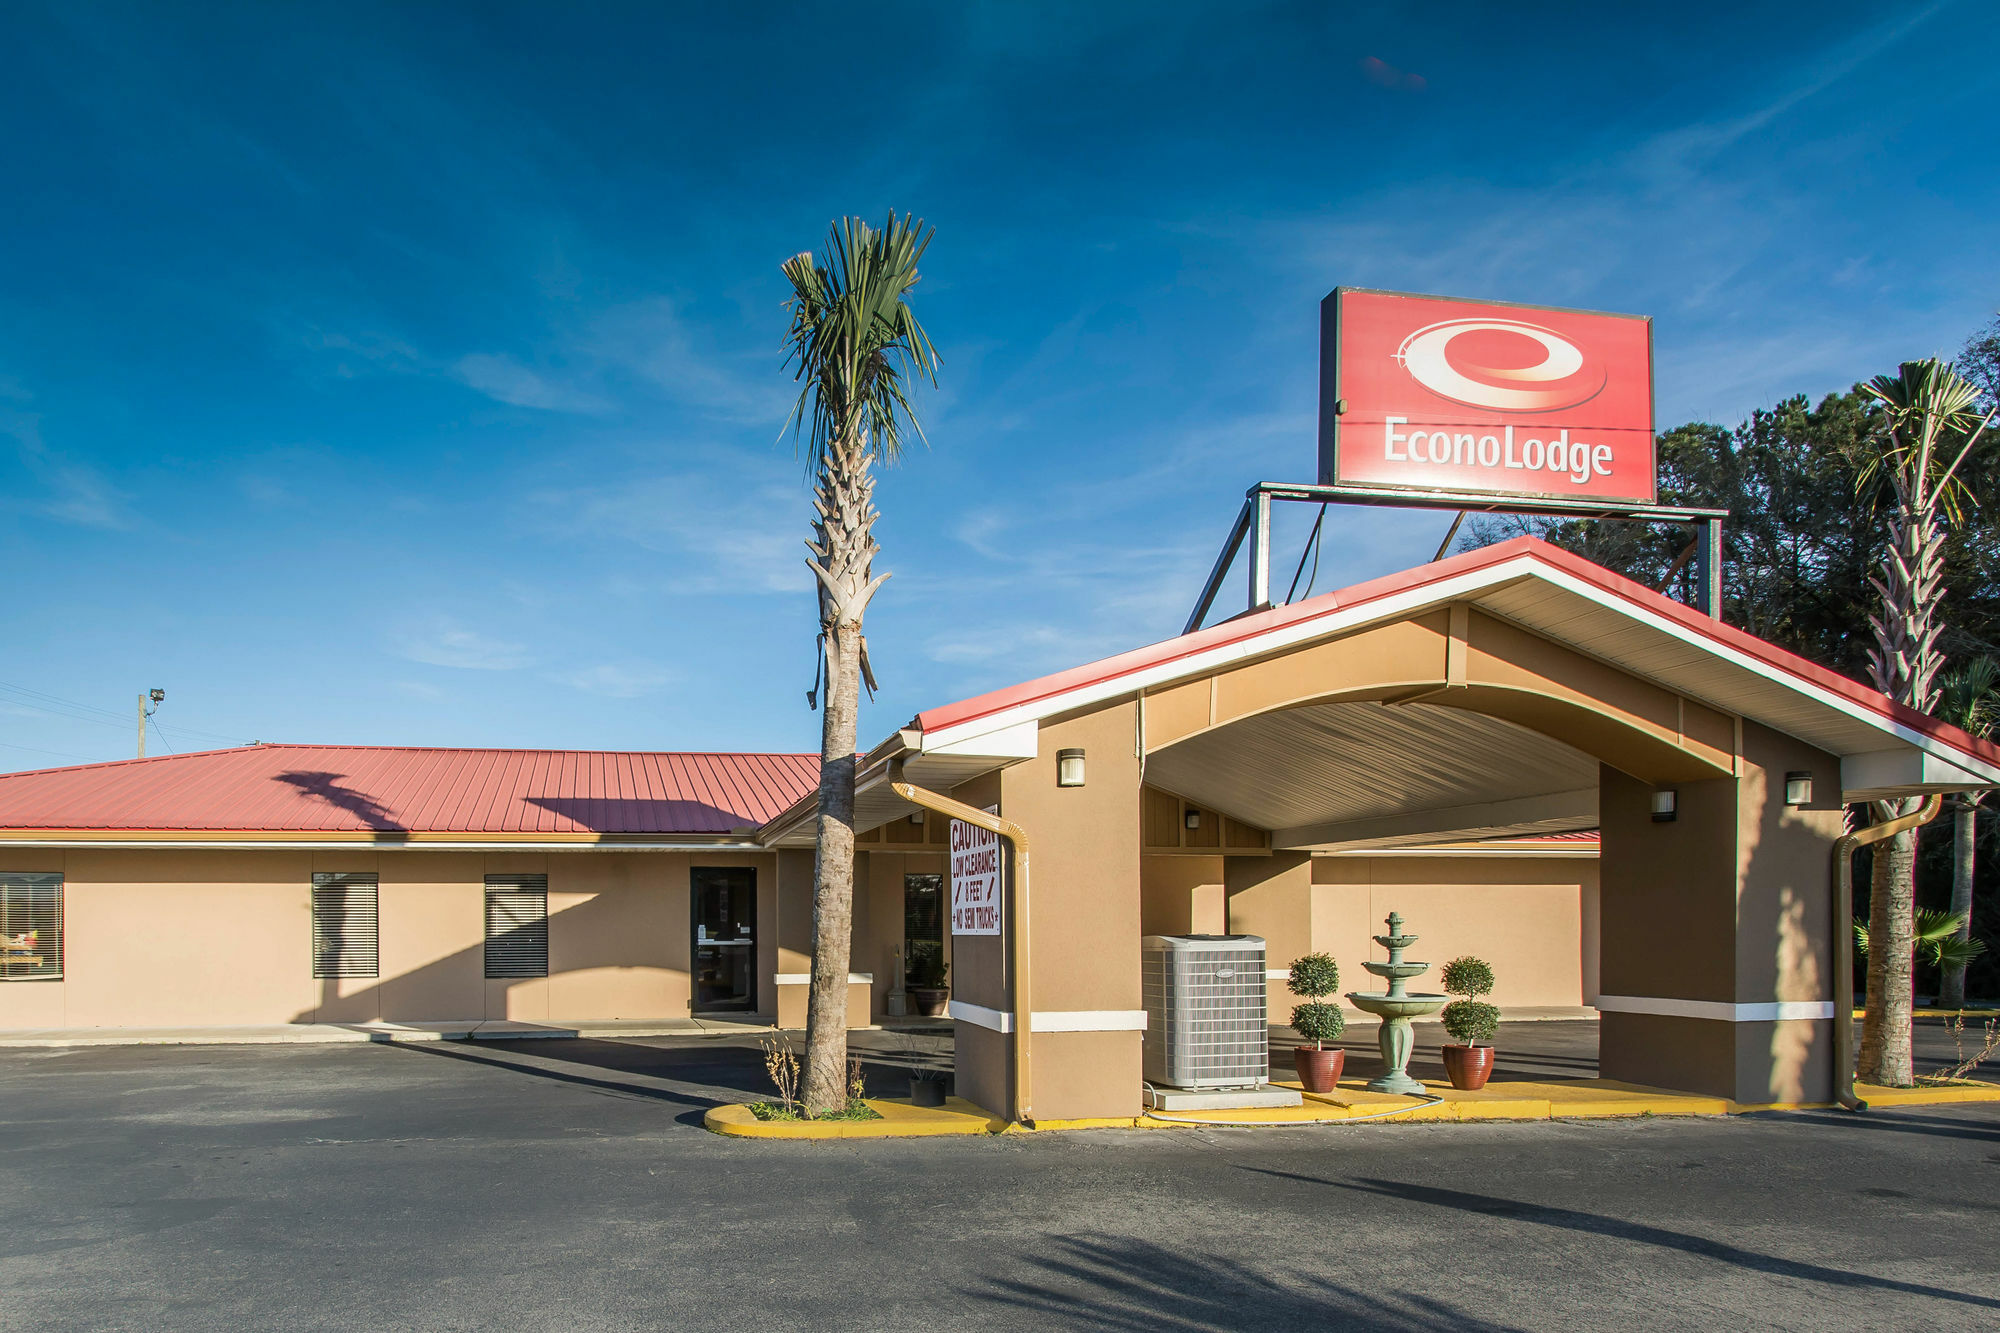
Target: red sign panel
{"x": 1433, "y": 393}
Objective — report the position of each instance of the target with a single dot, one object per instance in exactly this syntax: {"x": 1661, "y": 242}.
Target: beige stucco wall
{"x": 1532, "y": 918}
{"x": 223, "y": 938}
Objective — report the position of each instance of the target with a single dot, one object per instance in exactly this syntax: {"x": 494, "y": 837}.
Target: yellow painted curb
{"x": 1929, "y": 1094}
{"x": 900, "y": 1120}
{"x": 1579, "y": 1099}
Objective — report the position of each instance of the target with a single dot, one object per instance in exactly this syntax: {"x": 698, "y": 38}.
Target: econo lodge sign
{"x": 1437, "y": 394}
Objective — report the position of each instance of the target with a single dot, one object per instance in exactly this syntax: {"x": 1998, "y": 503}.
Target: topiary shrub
{"x": 1318, "y": 1022}
{"x": 1471, "y": 1022}
{"x": 1314, "y": 975}
{"x": 1468, "y": 978}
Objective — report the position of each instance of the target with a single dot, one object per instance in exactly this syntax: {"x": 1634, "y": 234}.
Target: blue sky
{"x": 411, "y": 374}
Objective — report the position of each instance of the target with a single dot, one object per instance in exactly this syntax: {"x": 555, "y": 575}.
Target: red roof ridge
{"x": 400, "y": 749}
{"x": 1246, "y": 627}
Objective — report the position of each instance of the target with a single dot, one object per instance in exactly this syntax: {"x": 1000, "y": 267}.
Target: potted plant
{"x": 927, "y": 978}
{"x": 1471, "y": 1021}
{"x": 1315, "y": 976}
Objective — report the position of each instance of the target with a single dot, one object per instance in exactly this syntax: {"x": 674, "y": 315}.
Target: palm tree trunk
{"x": 1951, "y": 990}
{"x": 844, "y": 557}
{"x": 833, "y": 878}
{"x": 1885, "y": 1057}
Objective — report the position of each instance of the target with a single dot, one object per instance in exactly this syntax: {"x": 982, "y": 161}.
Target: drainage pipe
{"x": 1843, "y": 939}
{"x": 1017, "y": 908}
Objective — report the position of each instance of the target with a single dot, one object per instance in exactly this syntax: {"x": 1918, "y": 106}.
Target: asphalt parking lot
{"x": 560, "y": 1184}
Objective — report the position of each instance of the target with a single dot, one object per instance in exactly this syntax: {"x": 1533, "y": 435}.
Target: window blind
{"x": 345, "y": 926}
{"x": 517, "y": 925}
{"x": 31, "y": 923}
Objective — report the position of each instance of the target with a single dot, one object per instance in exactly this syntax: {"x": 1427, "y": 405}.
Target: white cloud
{"x": 734, "y": 526}
{"x": 508, "y": 381}
{"x": 651, "y": 339}
{"x": 619, "y": 681}
{"x": 72, "y": 491}
{"x": 448, "y": 644}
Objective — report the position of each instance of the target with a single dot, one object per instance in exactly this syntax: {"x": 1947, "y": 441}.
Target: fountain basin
{"x": 1397, "y": 1006}
{"x": 1395, "y": 970}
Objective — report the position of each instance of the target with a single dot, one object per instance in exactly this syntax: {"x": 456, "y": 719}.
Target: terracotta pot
{"x": 1468, "y": 1067}
{"x": 930, "y": 1000}
{"x": 1319, "y": 1071}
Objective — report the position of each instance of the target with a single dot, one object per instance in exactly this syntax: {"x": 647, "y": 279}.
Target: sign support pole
{"x": 1254, "y": 522}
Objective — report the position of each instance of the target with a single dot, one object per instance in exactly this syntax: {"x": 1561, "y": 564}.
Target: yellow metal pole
{"x": 1017, "y": 836}
{"x": 1843, "y": 939}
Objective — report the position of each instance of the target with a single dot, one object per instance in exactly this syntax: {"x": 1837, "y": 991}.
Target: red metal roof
{"x": 1636, "y": 598}
{"x": 382, "y": 789}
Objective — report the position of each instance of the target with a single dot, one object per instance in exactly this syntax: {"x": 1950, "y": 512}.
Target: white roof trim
{"x": 1467, "y": 586}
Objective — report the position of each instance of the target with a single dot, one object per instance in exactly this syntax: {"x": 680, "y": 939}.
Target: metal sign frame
{"x": 1254, "y": 521}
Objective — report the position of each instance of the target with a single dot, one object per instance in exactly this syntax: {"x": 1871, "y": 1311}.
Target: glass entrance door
{"x": 725, "y": 940}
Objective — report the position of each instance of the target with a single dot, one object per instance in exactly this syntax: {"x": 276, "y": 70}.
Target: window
{"x": 517, "y": 925}
{"x": 344, "y": 926}
{"x": 31, "y": 927}
{"x": 923, "y": 924}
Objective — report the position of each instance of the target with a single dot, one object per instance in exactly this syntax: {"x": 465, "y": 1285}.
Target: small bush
{"x": 1471, "y": 1022}
{"x": 1468, "y": 977}
{"x": 856, "y": 1109}
{"x": 1318, "y": 1023}
{"x": 927, "y": 966}
{"x": 1314, "y": 975}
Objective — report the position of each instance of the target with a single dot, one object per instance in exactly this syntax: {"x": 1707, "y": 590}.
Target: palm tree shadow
{"x": 1616, "y": 1228}
{"x": 1122, "y": 1282}
{"x": 328, "y": 787}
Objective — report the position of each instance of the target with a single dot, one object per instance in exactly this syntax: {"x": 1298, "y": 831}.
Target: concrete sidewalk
{"x": 471, "y": 1029}
{"x": 285, "y": 1034}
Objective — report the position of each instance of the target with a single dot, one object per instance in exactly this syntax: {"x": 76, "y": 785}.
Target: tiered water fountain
{"x": 1396, "y": 1008}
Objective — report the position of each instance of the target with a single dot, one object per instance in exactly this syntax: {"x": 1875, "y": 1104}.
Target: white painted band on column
{"x": 805, "y": 978}
{"x": 1056, "y": 1020}
{"x": 1277, "y": 974}
{"x": 1720, "y": 1011}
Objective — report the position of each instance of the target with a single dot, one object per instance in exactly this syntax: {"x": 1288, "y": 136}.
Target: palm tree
{"x": 1970, "y": 701}
{"x": 852, "y": 338}
{"x": 1932, "y": 419}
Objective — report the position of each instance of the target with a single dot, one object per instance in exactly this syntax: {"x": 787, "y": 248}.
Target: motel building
{"x": 1620, "y": 802}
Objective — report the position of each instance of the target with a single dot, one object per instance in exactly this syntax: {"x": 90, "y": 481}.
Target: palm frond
{"x": 1933, "y": 418}
{"x": 1969, "y": 696}
{"x": 854, "y": 339}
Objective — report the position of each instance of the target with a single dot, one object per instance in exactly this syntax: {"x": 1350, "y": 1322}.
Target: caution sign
{"x": 975, "y": 880}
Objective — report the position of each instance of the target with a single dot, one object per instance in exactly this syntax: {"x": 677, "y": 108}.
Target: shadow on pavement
{"x": 1124, "y": 1283}
{"x": 1596, "y": 1224}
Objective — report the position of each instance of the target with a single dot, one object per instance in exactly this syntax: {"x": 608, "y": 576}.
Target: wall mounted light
{"x": 1666, "y": 806}
{"x": 1069, "y": 768}
{"x": 1194, "y": 819}
{"x": 1798, "y": 789}
{"x": 917, "y": 817}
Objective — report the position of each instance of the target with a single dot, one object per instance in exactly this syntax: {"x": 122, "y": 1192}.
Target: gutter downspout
{"x": 1843, "y": 939}
{"x": 1024, "y": 1109}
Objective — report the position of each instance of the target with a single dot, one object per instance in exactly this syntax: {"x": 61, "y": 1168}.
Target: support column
{"x": 1089, "y": 1013}
{"x": 1716, "y": 929}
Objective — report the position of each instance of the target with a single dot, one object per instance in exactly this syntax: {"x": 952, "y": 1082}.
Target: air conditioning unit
{"x": 1205, "y": 1020}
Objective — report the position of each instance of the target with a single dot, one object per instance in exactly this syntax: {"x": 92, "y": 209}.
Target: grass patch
{"x": 856, "y": 1109}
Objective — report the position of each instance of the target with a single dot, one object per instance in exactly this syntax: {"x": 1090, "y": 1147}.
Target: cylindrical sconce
{"x": 1666, "y": 805}
{"x": 1069, "y": 768}
{"x": 1194, "y": 819}
{"x": 1798, "y": 789}
{"x": 916, "y": 817}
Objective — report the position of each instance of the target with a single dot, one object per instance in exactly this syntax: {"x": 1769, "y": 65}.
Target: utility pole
{"x": 156, "y": 697}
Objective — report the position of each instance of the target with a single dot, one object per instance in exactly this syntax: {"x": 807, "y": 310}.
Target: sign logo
{"x": 1564, "y": 379}
{"x": 1442, "y": 395}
